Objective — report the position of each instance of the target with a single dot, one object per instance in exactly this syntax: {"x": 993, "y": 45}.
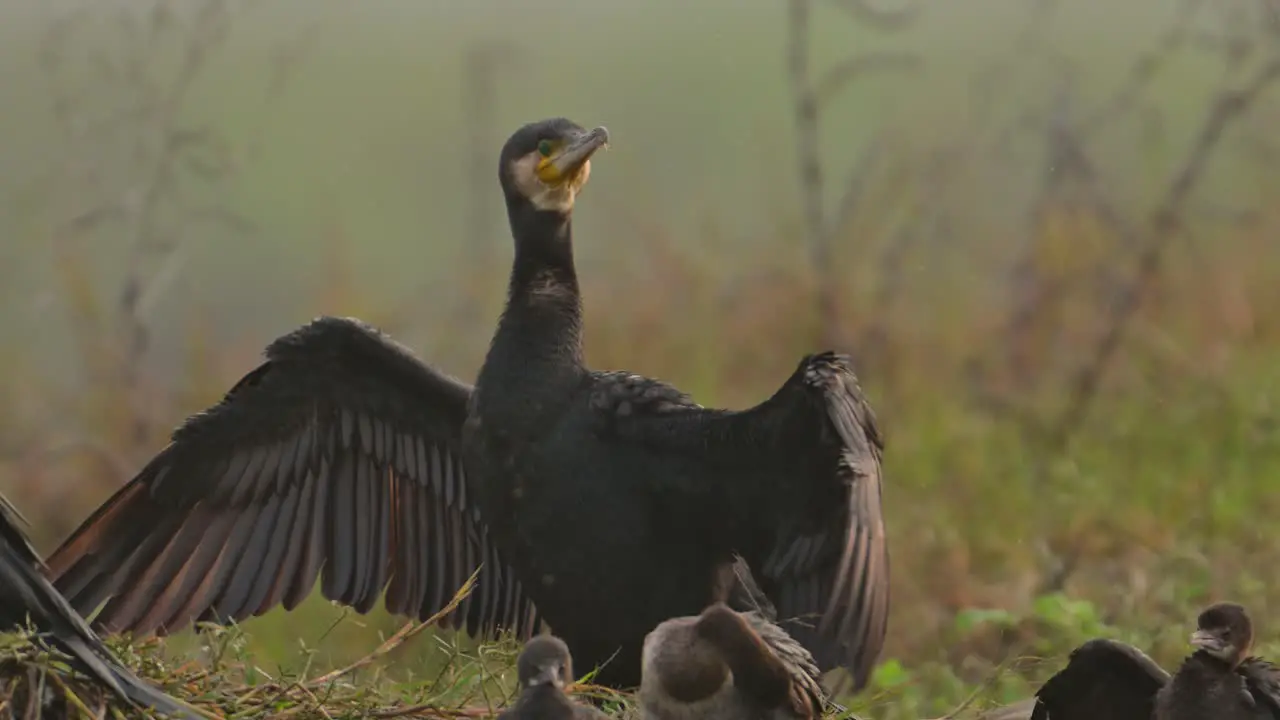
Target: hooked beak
{"x": 548, "y": 674}
{"x": 1208, "y": 641}
{"x": 574, "y": 155}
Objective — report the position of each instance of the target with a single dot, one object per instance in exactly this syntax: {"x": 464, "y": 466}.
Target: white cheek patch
{"x": 558, "y": 199}
{"x": 543, "y": 196}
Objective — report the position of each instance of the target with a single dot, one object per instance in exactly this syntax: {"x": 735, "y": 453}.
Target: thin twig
{"x": 808, "y": 95}
{"x": 406, "y": 632}
{"x": 1165, "y": 223}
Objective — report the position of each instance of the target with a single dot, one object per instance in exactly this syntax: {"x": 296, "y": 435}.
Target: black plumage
{"x": 727, "y": 665}
{"x": 605, "y": 499}
{"x": 1220, "y": 680}
{"x": 1108, "y": 680}
{"x": 1103, "y": 680}
{"x": 26, "y": 596}
{"x": 544, "y": 668}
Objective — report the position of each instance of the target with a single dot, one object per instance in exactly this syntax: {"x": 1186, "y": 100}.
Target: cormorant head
{"x": 546, "y": 163}
{"x": 1225, "y": 632}
{"x": 545, "y": 660}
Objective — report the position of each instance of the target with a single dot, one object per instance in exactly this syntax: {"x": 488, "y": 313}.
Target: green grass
{"x": 223, "y": 676}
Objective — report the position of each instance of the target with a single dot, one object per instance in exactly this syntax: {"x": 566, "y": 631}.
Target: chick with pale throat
{"x": 544, "y": 669}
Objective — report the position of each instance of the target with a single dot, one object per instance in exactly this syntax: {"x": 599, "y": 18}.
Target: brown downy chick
{"x": 544, "y": 669}
{"x": 726, "y": 665}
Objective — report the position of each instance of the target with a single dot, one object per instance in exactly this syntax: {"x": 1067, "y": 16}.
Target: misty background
{"x": 1045, "y": 230}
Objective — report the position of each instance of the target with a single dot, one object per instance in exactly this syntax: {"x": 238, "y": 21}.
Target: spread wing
{"x": 829, "y": 560}
{"x": 338, "y": 458}
{"x": 1103, "y": 680}
{"x": 815, "y": 537}
{"x": 25, "y": 595}
{"x": 1262, "y": 679}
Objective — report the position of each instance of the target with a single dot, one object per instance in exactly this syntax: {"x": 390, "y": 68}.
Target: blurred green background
{"x": 246, "y": 166}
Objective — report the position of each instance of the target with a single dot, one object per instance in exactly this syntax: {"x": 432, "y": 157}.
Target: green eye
{"x": 544, "y": 148}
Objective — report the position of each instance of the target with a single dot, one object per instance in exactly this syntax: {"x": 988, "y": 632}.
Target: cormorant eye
{"x": 544, "y": 148}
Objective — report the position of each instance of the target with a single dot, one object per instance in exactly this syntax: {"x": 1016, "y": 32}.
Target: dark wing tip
{"x": 833, "y": 376}
{"x": 328, "y": 337}
{"x": 1263, "y": 681}
{"x": 27, "y": 593}
{"x": 858, "y": 606}
{"x": 11, "y": 530}
{"x": 325, "y": 330}
{"x": 1105, "y": 652}
{"x": 834, "y": 579}
{"x": 1101, "y": 676}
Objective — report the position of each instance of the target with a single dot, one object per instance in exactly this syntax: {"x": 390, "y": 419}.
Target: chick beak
{"x": 576, "y": 153}
{"x": 1208, "y": 641}
{"x": 548, "y": 674}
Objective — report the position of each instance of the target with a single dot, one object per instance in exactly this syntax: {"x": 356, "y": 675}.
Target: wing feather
{"x": 1262, "y": 679}
{"x": 27, "y": 596}
{"x": 311, "y": 537}
{"x": 1103, "y": 680}
{"x": 336, "y": 459}
{"x": 829, "y": 560}
{"x": 807, "y": 519}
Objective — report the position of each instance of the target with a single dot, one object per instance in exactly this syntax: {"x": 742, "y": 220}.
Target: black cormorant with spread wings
{"x": 26, "y": 596}
{"x": 605, "y": 500}
{"x": 1109, "y": 680}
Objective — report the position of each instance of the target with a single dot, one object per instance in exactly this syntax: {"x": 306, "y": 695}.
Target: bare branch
{"x": 138, "y": 159}
{"x": 807, "y": 96}
{"x": 805, "y": 114}
{"x": 1146, "y": 68}
{"x": 925, "y": 221}
{"x": 1271, "y": 16}
{"x": 1165, "y": 224}
{"x": 880, "y": 18}
{"x": 836, "y": 79}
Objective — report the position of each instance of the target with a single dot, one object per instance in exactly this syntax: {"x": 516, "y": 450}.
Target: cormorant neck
{"x": 1208, "y": 659}
{"x": 543, "y": 274}
{"x": 538, "y": 343}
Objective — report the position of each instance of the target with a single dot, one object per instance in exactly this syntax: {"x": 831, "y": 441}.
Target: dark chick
{"x": 544, "y": 669}
{"x": 1219, "y": 680}
{"x": 727, "y": 665}
{"x": 600, "y": 502}
{"x": 25, "y": 595}
{"x": 1109, "y": 680}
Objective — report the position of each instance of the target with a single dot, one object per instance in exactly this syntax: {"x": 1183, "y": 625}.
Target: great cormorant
{"x": 1109, "y": 680}
{"x": 544, "y": 668}
{"x": 607, "y": 499}
{"x": 26, "y": 595}
{"x": 727, "y": 665}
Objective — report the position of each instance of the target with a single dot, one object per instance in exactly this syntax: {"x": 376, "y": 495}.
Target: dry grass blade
{"x": 35, "y": 682}
{"x": 404, "y": 633}
{"x": 986, "y": 687}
